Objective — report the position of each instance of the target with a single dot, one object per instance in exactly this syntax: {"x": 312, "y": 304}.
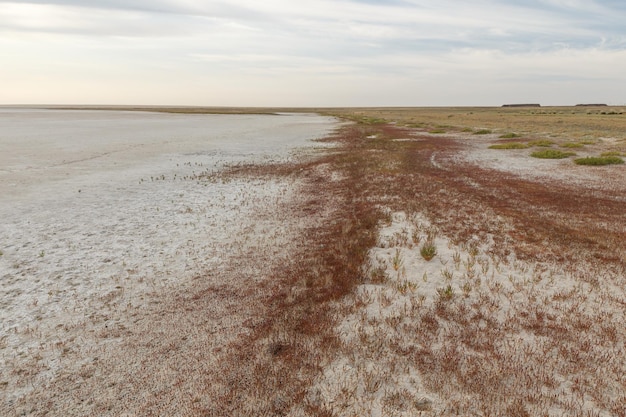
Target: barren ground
{"x": 520, "y": 312}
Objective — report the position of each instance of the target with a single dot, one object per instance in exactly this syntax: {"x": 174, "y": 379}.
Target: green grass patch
{"x": 482, "y": 132}
{"x": 510, "y": 136}
{"x": 511, "y": 145}
{"x": 611, "y": 153}
{"x": 541, "y": 143}
{"x": 551, "y": 154}
{"x": 437, "y": 131}
{"x": 599, "y": 160}
{"x": 572, "y": 145}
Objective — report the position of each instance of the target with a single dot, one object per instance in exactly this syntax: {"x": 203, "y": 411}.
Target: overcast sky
{"x": 313, "y": 52}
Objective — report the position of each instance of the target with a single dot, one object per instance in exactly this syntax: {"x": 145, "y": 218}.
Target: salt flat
{"x": 103, "y": 211}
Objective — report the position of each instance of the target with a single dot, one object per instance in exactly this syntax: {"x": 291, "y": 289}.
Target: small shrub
{"x": 551, "y": 154}
{"x": 599, "y": 160}
{"x": 482, "y": 132}
{"x": 611, "y": 153}
{"x": 510, "y": 136}
{"x": 541, "y": 143}
{"x": 437, "y": 131}
{"x": 428, "y": 250}
{"x": 512, "y": 145}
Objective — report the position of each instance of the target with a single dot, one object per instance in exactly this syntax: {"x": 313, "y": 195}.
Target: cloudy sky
{"x": 313, "y": 52}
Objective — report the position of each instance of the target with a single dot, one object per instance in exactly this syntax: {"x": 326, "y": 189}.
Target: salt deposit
{"x": 100, "y": 209}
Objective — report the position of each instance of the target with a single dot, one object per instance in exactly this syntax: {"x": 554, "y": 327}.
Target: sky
{"x": 313, "y": 53}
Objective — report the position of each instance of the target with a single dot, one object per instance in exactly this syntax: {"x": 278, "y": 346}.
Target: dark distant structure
{"x": 522, "y": 105}
{"x": 592, "y": 105}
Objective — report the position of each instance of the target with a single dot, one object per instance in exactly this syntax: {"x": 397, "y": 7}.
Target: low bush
{"x": 599, "y": 160}
{"x": 511, "y": 145}
{"x": 541, "y": 143}
{"x": 551, "y": 154}
{"x": 482, "y": 132}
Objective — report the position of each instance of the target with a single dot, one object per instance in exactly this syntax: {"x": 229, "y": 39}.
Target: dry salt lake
{"x": 99, "y": 209}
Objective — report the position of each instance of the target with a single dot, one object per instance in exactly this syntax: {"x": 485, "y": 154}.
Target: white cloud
{"x": 246, "y": 52}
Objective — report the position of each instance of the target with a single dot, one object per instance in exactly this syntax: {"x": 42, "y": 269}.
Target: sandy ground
{"x": 102, "y": 232}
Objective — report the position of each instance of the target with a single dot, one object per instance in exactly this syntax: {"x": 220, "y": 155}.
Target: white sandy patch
{"x": 375, "y": 375}
{"x": 520, "y": 163}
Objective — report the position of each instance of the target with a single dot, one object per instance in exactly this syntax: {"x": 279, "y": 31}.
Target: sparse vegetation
{"x": 599, "y": 160}
{"x": 612, "y": 153}
{"x": 428, "y": 250}
{"x": 510, "y": 145}
{"x": 509, "y": 135}
{"x": 541, "y": 143}
{"x": 551, "y": 154}
{"x": 572, "y": 145}
{"x": 482, "y": 132}
{"x": 519, "y": 314}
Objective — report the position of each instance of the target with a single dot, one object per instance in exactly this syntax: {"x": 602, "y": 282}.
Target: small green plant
{"x": 437, "y": 131}
{"x": 599, "y": 160}
{"x": 406, "y": 286}
{"x": 446, "y": 293}
{"x": 42, "y": 254}
{"x": 428, "y": 250}
{"x": 541, "y": 143}
{"x": 396, "y": 261}
{"x": 511, "y": 145}
{"x": 510, "y": 136}
{"x": 482, "y": 132}
{"x": 551, "y": 154}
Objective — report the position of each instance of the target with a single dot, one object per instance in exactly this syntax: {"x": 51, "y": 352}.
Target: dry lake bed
{"x": 435, "y": 262}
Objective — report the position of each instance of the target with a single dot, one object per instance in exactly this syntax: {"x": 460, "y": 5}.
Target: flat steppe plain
{"x": 518, "y": 312}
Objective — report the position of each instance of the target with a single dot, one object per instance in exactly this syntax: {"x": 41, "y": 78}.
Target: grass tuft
{"x": 599, "y": 160}
{"x": 510, "y": 135}
{"x": 482, "y": 132}
{"x": 428, "y": 250}
{"x": 612, "y": 153}
{"x": 551, "y": 154}
{"x": 511, "y": 145}
{"x": 572, "y": 145}
{"x": 541, "y": 143}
